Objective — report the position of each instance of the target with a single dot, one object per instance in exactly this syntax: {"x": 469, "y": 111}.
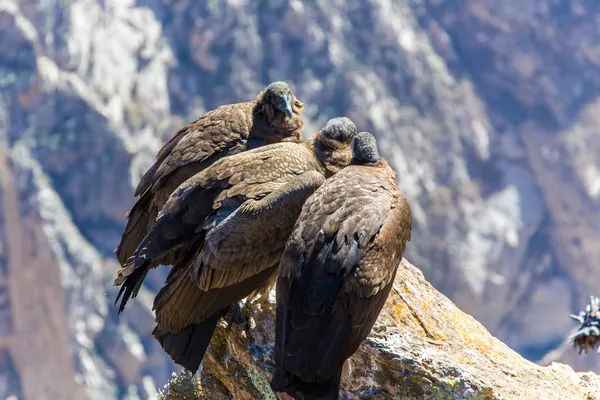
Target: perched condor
{"x": 228, "y": 225}
{"x": 275, "y": 116}
{"x": 336, "y": 272}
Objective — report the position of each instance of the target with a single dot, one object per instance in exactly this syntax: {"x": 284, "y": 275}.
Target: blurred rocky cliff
{"x": 488, "y": 110}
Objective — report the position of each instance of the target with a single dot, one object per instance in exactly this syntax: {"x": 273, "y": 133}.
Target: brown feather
{"x": 227, "y": 130}
{"x": 225, "y": 229}
{"x": 335, "y": 275}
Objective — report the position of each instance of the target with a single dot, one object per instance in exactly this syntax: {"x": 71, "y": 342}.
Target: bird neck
{"x": 331, "y": 156}
{"x": 382, "y": 169}
{"x": 380, "y": 163}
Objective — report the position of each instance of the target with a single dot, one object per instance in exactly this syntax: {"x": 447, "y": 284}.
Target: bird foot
{"x": 237, "y": 317}
{"x": 223, "y": 324}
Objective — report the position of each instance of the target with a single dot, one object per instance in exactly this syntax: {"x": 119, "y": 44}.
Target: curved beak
{"x": 286, "y": 107}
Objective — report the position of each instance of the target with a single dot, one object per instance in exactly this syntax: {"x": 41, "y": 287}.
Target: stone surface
{"x": 422, "y": 347}
{"x": 488, "y": 111}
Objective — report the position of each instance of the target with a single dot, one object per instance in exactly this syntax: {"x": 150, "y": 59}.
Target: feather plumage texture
{"x": 228, "y": 225}
{"x": 276, "y": 115}
{"x": 336, "y": 273}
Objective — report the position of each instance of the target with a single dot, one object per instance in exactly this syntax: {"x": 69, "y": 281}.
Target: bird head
{"x": 338, "y": 132}
{"x": 280, "y": 97}
{"x": 365, "y": 149}
{"x": 332, "y": 144}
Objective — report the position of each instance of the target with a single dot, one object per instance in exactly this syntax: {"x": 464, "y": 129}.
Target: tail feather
{"x": 150, "y": 253}
{"x": 284, "y": 382}
{"x": 131, "y": 285}
{"x": 187, "y": 347}
{"x": 139, "y": 218}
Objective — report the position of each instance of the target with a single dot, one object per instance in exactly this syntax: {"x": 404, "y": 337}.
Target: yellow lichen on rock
{"x": 422, "y": 347}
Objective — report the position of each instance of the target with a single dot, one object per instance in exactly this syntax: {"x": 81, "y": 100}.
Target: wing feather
{"x": 337, "y": 270}
{"x": 209, "y": 204}
{"x": 222, "y": 128}
{"x": 218, "y": 133}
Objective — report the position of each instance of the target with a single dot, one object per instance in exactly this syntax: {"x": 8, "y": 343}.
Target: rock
{"x": 429, "y": 349}
{"x": 488, "y": 111}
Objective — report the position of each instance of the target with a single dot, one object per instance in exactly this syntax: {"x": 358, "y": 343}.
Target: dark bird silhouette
{"x": 336, "y": 272}
{"x": 275, "y": 116}
{"x": 228, "y": 225}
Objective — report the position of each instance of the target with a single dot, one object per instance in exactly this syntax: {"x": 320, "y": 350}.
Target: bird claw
{"x": 223, "y": 324}
{"x": 236, "y": 316}
{"x": 239, "y": 317}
